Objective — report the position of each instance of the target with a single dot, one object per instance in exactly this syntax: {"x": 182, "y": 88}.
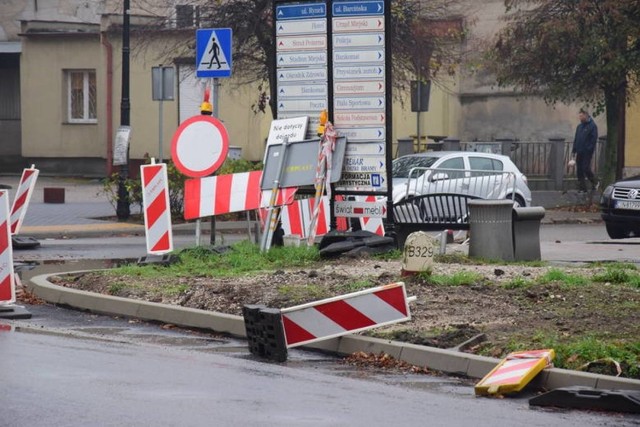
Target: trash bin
{"x": 405, "y": 146}
{"x": 526, "y": 233}
{"x": 490, "y": 226}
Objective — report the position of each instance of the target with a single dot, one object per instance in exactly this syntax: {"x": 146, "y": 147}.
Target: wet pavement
{"x": 69, "y": 368}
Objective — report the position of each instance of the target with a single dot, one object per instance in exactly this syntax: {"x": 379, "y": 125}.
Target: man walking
{"x": 584, "y": 144}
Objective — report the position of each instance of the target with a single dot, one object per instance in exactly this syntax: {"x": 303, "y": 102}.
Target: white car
{"x": 484, "y": 175}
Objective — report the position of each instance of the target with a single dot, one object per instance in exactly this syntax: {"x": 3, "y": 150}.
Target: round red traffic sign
{"x": 199, "y": 146}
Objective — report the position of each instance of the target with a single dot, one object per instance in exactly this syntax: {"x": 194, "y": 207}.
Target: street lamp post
{"x": 122, "y": 208}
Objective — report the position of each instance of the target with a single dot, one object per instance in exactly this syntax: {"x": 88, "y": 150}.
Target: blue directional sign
{"x": 301, "y": 11}
{"x": 358, "y": 8}
{"x": 213, "y": 52}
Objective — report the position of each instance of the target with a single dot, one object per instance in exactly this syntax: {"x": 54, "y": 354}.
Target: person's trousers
{"x": 583, "y": 170}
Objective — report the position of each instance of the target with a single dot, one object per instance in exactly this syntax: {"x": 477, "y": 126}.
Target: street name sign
{"x": 300, "y": 11}
{"x": 355, "y": 8}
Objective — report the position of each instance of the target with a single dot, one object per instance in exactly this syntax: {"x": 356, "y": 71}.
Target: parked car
{"x": 620, "y": 207}
{"x": 483, "y": 175}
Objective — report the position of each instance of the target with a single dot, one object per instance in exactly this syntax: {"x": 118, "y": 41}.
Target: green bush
{"x": 134, "y": 189}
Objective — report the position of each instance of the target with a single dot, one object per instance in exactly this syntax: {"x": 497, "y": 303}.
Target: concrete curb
{"x": 120, "y": 228}
{"x": 446, "y": 361}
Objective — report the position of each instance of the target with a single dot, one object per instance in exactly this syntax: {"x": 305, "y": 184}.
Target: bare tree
{"x": 574, "y": 51}
{"x": 426, "y": 38}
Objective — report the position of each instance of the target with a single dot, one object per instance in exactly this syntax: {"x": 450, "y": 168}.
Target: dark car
{"x": 620, "y": 206}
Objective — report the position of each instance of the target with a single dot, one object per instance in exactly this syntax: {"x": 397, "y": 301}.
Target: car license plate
{"x": 623, "y": 204}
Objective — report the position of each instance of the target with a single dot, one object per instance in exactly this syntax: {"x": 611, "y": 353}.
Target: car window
{"x": 403, "y": 165}
{"x": 454, "y": 163}
{"x": 485, "y": 164}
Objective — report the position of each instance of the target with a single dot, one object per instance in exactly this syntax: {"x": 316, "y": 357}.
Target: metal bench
{"x": 431, "y": 212}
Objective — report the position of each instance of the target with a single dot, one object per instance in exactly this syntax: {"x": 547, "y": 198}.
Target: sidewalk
{"x": 87, "y": 209}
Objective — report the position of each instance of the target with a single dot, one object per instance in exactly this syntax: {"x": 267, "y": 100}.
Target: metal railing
{"x": 483, "y": 184}
{"x": 545, "y": 163}
{"x": 440, "y": 196}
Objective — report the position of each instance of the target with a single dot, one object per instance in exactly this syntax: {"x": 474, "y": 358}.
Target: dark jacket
{"x": 586, "y": 137}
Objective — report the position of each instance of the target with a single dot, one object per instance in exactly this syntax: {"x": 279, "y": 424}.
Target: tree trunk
{"x": 615, "y": 101}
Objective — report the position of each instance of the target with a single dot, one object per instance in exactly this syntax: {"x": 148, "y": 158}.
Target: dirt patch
{"x": 515, "y": 306}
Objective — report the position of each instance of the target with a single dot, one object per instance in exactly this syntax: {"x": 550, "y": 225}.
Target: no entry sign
{"x": 199, "y": 146}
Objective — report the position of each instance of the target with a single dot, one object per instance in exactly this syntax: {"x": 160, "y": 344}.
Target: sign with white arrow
{"x": 301, "y": 11}
{"x": 355, "y": 8}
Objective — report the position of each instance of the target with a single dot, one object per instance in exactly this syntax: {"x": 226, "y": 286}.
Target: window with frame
{"x": 81, "y": 96}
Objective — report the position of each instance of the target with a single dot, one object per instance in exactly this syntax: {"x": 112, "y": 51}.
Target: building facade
{"x": 60, "y": 91}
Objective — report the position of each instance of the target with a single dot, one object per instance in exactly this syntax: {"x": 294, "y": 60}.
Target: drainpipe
{"x": 109, "y": 53}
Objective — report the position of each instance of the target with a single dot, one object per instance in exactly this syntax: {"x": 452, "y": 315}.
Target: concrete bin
{"x": 490, "y": 226}
{"x": 526, "y": 233}
{"x": 405, "y": 147}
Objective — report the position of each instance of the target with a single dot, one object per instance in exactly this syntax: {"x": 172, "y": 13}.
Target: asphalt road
{"x": 559, "y": 243}
{"x": 65, "y": 368}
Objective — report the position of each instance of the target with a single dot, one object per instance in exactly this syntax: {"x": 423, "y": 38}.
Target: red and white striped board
{"x": 157, "y": 213}
{"x": 221, "y": 194}
{"x": 373, "y": 225}
{"x": 345, "y": 314}
{"x": 296, "y": 217}
{"x": 7, "y": 278}
{"x": 22, "y": 198}
{"x": 515, "y": 371}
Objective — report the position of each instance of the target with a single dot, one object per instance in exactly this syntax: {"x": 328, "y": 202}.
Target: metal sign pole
{"x": 270, "y": 222}
{"x": 160, "y": 131}
{"x": 216, "y": 89}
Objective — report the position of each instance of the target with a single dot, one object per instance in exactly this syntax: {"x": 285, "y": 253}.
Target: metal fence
{"x": 545, "y": 163}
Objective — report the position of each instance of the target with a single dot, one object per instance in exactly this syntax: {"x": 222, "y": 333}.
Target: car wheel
{"x": 518, "y": 201}
{"x": 616, "y": 231}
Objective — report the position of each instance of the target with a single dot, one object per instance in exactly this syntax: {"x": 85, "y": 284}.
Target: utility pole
{"x": 122, "y": 208}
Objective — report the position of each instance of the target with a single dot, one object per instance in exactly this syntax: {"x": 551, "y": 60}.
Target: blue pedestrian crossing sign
{"x": 213, "y": 52}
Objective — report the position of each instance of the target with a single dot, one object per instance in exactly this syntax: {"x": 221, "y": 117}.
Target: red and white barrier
{"x": 296, "y": 218}
{"x": 157, "y": 214}
{"x": 22, "y": 198}
{"x": 7, "y": 278}
{"x": 515, "y": 371}
{"x": 346, "y": 314}
{"x": 373, "y": 225}
{"x": 221, "y": 194}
